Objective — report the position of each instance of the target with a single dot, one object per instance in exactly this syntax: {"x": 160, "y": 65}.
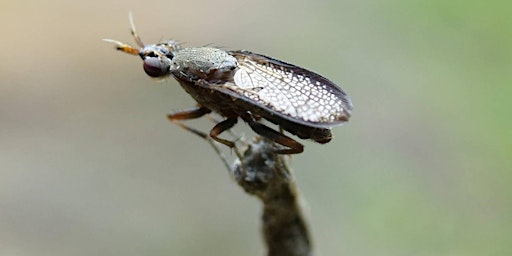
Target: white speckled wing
{"x": 294, "y": 92}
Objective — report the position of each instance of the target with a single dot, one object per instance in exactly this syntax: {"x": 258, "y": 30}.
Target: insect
{"x": 250, "y": 86}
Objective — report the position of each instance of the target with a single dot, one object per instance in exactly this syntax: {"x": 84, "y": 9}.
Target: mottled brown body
{"x": 233, "y": 107}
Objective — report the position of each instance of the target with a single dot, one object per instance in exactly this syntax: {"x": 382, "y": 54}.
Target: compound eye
{"x": 154, "y": 67}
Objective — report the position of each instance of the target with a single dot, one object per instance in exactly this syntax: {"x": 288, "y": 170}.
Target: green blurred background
{"x": 89, "y": 165}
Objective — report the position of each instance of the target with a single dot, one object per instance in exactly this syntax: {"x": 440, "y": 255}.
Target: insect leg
{"x": 189, "y": 114}
{"x": 196, "y": 113}
{"x": 221, "y": 127}
{"x": 294, "y": 147}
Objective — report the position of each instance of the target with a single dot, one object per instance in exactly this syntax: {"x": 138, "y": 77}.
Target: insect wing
{"x": 290, "y": 91}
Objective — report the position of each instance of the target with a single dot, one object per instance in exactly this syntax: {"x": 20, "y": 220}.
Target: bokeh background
{"x": 89, "y": 165}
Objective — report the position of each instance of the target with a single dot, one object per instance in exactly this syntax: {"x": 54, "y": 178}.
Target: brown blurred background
{"x": 89, "y": 165}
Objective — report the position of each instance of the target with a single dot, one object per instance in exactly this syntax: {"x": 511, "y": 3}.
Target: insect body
{"x": 250, "y": 86}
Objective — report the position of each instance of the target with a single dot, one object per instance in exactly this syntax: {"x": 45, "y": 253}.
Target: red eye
{"x": 155, "y": 67}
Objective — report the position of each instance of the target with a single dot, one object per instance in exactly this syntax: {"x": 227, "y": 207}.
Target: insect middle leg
{"x": 221, "y": 127}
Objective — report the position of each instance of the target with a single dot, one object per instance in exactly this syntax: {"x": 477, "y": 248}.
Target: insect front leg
{"x": 220, "y": 127}
{"x": 197, "y": 112}
{"x": 192, "y": 113}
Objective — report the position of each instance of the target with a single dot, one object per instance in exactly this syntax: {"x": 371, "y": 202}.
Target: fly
{"x": 249, "y": 86}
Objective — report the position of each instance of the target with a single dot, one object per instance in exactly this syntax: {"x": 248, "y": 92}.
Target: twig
{"x": 264, "y": 174}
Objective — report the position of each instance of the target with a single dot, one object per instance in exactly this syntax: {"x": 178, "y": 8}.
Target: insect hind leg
{"x": 293, "y": 147}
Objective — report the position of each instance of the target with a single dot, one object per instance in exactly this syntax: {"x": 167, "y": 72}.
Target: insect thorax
{"x": 210, "y": 64}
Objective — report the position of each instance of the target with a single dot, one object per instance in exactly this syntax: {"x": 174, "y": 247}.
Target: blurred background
{"x": 89, "y": 165}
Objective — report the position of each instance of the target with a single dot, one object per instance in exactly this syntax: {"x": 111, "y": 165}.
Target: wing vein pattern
{"x": 290, "y": 90}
